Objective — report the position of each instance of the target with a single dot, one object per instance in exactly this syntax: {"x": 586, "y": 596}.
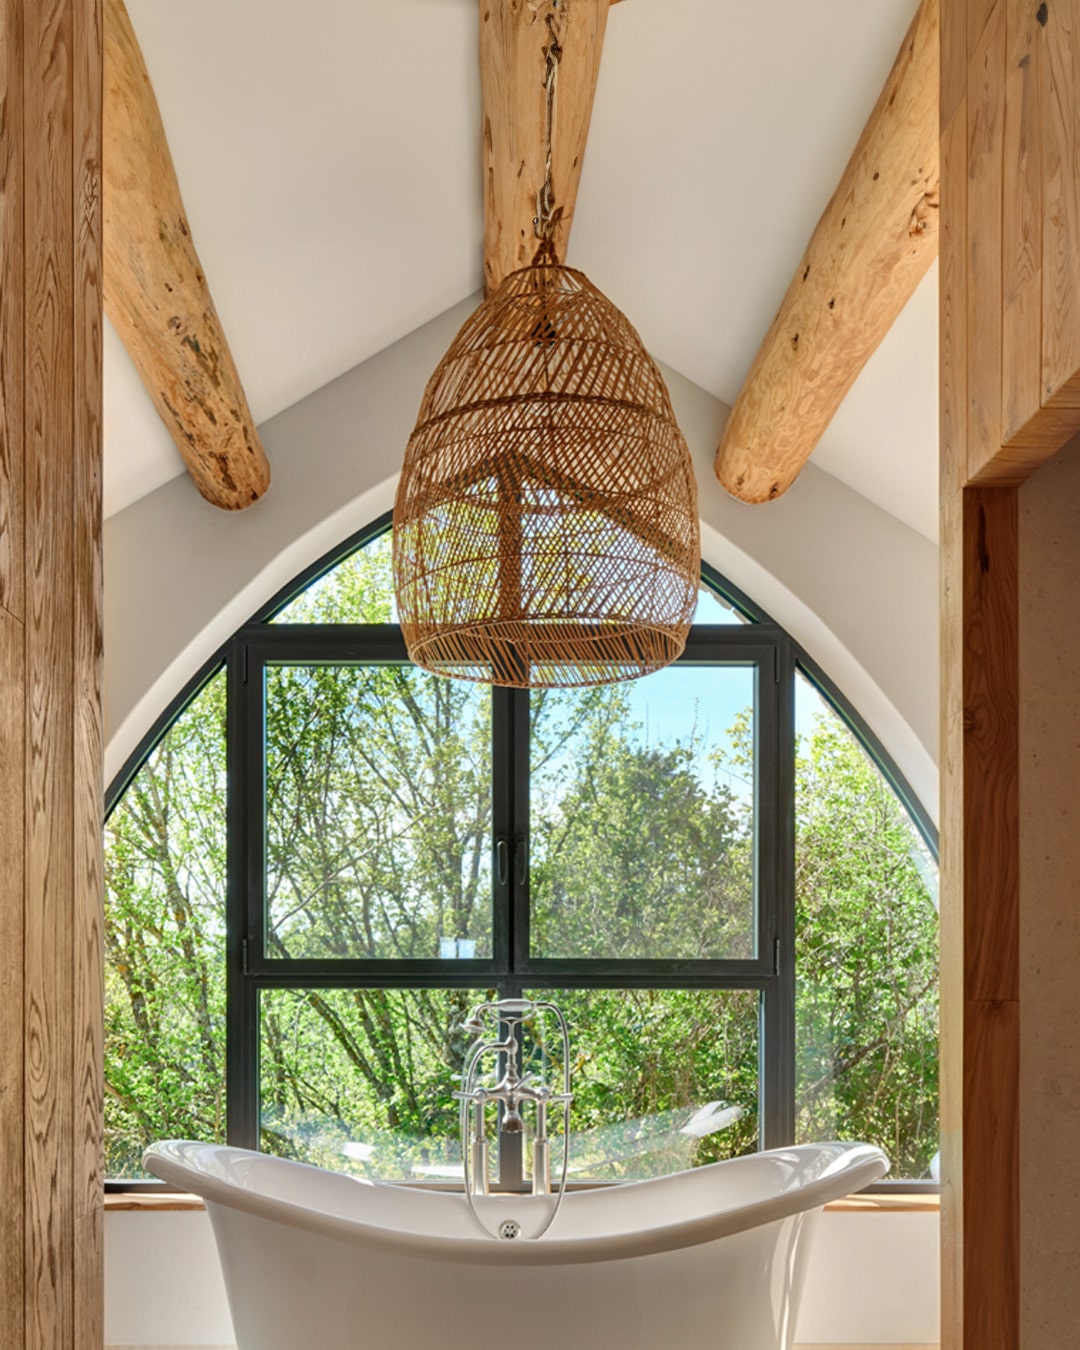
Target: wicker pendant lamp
{"x": 546, "y": 527}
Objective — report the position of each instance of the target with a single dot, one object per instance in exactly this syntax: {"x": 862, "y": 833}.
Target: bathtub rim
{"x": 853, "y": 1167}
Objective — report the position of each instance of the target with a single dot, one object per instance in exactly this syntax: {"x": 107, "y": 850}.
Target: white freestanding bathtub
{"x": 712, "y": 1259}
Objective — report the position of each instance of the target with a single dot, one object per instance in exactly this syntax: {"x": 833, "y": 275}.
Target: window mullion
{"x": 778, "y": 872}
{"x": 244, "y": 759}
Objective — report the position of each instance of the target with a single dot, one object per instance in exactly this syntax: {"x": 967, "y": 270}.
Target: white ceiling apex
{"x": 330, "y": 166}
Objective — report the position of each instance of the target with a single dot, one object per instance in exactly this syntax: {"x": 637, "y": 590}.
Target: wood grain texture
{"x": 953, "y": 59}
{"x": 516, "y": 37}
{"x": 991, "y": 710}
{"x": 156, "y": 292}
{"x": 12, "y": 760}
{"x": 49, "y": 480}
{"x": 1021, "y": 243}
{"x": 980, "y": 920}
{"x": 952, "y": 295}
{"x": 11, "y": 313}
{"x": 50, "y": 658}
{"x": 1022, "y": 166}
{"x": 138, "y": 1202}
{"x": 992, "y": 1172}
{"x": 88, "y": 807}
{"x": 951, "y": 1017}
{"x": 986, "y": 139}
{"x": 1059, "y": 43}
{"x": 870, "y": 250}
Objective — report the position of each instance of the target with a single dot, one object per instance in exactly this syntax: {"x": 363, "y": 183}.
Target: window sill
{"x": 177, "y": 1202}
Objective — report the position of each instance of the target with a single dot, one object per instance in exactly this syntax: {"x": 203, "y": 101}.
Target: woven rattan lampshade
{"x": 546, "y": 527}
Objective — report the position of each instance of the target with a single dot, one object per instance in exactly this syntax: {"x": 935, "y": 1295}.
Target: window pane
{"x": 866, "y": 949}
{"x": 378, "y": 813}
{"x": 663, "y": 1080}
{"x": 713, "y": 608}
{"x": 165, "y": 943}
{"x": 360, "y": 589}
{"x": 361, "y": 1080}
{"x": 642, "y": 817}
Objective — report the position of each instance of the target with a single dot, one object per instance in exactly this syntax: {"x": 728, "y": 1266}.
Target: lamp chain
{"x": 547, "y": 213}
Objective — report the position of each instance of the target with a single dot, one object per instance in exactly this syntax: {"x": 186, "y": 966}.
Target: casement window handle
{"x": 521, "y": 859}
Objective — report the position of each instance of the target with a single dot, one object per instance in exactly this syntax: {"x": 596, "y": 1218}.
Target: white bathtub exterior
{"x": 714, "y": 1258}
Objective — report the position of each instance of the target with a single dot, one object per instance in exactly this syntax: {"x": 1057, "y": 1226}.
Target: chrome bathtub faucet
{"x": 510, "y": 1090}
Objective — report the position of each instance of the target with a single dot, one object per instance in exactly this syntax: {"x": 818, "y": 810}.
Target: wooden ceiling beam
{"x": 871, "y": 248}
{"x": 156, "y": 292}
{"x": 520, "y": 40}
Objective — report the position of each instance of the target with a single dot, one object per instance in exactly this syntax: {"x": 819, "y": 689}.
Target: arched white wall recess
{"x": 855, "y": 587}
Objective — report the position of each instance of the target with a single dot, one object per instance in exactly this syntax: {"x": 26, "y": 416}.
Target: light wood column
{"x": 1010, "y": 372}
{"x": 50, "y": 676}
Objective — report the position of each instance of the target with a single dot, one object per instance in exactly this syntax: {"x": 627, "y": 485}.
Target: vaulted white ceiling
{"x": 328, "y": 157}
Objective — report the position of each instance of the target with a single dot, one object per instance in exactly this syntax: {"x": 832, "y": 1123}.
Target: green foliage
{"x": 867, "y": 959}
{"x": 378, "y": 845}
{"x": 378, "y": 783}
{"x": 637, "y": 852}
{"x": 361, "y": 1079}
{"x": 641, "y": 1058}
{"x": 165, "y": 942}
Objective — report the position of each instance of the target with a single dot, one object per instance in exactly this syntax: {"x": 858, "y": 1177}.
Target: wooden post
{"x": 50, "y": 676}
{"x": 1010, "y": 399}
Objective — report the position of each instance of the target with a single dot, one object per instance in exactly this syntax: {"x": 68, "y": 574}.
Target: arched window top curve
{"x": 741, "y": 767}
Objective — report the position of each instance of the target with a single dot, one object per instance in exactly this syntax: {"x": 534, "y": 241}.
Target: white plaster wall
{"x": 873, "y": 1280}
{"x": 856, "y": 587}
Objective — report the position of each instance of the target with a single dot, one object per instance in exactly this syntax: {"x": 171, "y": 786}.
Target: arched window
{"x": 326, "y": 855}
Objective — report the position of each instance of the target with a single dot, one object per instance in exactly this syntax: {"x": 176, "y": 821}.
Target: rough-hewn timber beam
{"x": 518, "y": 39}
{"x": 156, "y": 292}
{"x": 869, "y": 251}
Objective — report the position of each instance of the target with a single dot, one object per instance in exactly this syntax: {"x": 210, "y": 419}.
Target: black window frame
{"x": 758, "y": 642}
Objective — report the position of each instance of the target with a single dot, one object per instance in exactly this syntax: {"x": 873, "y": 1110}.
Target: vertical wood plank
{"x": 12, "y": 1322}
{"x": 49, "y": 667}
{"x": 952, "y": 409}
{"x": 951, "y": 1023}
{"x": 11, "y": 312}
{"x": 980, "y": 920}
{"x": 87, "y": 1162}
{"x": 1021, "y": 316}
{"x": 992, "y": 1175}
{"x": 51, "y": 1294}
{"x": 976, "y": 15}
{"x": 954, "y": 61}
{"x": 1059, "y": 41}
{"x": 953, "y": 305}
{"x": 990, "y": 778}
{"x": 986, "y": 126}
{"x": 991, "y": 770}
{"x": 12, "y": 682}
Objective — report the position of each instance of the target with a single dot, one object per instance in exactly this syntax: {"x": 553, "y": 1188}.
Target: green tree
{"x": 867, "y": 958}
{"x": 378, "y": 783}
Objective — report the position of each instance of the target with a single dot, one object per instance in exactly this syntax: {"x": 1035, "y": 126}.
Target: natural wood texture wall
{"x": 1013, "y": 84}
{"x": 50, "y": 675}
{"x": 1010, "y": 357}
